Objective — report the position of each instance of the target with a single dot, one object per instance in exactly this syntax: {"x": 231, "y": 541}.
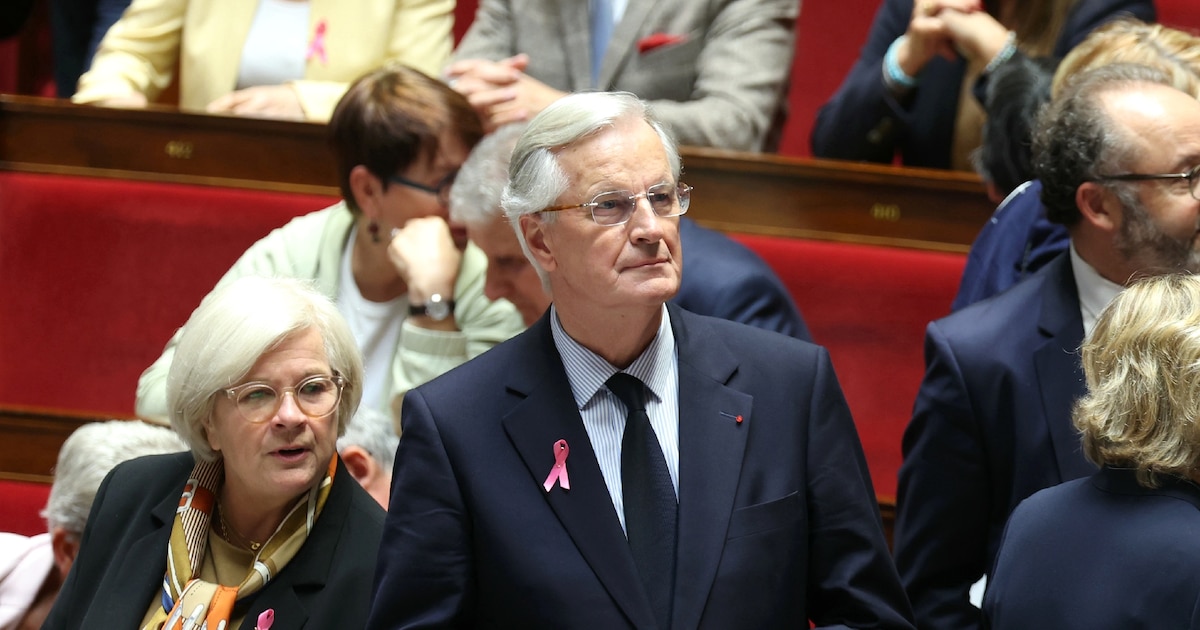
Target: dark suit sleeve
{"x": 943, "y": 500}
{"x": 853, "y": 583}
{"x": 863, "y": 120}
{"x": 424, "y": 575}
{"x": 1089, "y": 14}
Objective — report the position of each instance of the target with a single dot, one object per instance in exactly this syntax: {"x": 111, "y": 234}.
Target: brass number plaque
{"x": 885, "y": 212}
{"x": 179, "y": 149}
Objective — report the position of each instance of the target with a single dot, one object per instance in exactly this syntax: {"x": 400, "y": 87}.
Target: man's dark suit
{"x": 777, "y": 519}
{"x": 123, "y": 555}
{"x": 723, "y": 278}
{"x": 991, "y": 426}
{"x": 1101, "y": 552}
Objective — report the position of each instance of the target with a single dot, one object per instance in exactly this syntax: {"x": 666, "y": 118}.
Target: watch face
{"x": 438, "y": 309}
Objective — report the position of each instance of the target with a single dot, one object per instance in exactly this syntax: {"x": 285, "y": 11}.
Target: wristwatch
{"x": 437, "y": 308}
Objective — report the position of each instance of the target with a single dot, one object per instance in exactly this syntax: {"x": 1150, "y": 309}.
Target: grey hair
{"x": 372, "y": 431}
{"x": 87, "y": 455}
{"x": 475, "y": 196}
{"x": 233, "y": 327}
{"x": 535, "y": 178}
{"x": 1077, "y": 140}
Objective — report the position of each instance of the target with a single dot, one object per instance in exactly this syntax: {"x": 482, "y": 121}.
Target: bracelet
{"x": 1006, "y": 53}
{"x": 893, "y": 74}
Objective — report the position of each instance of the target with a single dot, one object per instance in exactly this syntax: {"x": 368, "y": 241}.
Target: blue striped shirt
{"x": 604, "y": 414}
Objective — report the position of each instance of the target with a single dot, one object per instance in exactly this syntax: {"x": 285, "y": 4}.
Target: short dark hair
{"x": 1015, "y": 92}
{"x": 391, "y": 117}
{"x": 1076, "y": 141}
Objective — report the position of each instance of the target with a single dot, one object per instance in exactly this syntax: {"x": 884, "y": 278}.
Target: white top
{"x": 276, "y": 45}
{"x": 376, "y": 327}
{"x": 1095, "y": 291}
{"x": 604, "y": 414}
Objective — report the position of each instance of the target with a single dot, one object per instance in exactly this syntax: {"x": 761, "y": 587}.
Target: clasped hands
{"x": 500, "y": 91}
{"x": 949, "y": 28}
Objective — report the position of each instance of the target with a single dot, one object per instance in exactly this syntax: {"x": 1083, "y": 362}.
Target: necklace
{"x": 226, "y": 530}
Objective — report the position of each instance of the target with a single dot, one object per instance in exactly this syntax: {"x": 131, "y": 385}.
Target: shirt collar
{"x": 1095, "y": 291}
{"x": 588, "y": 372}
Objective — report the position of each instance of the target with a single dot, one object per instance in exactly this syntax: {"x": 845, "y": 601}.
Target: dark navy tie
{"x": 651, "y": 509}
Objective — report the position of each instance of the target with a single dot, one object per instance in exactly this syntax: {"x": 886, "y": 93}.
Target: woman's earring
{"x": 373, "y": 228}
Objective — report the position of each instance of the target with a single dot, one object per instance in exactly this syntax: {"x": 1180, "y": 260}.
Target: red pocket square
{"x": 658, "y": 40}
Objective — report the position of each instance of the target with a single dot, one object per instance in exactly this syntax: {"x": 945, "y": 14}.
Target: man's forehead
{"x": 1161, "y": 121}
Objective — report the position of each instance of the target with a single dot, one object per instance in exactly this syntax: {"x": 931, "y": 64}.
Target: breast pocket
{"x": 765, "y": 517}
{"x": 667, "y": 72}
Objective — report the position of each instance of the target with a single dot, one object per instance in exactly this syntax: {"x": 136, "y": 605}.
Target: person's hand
{"x": 500, "y": 91}
{"x": 976, "y": 35}
{"x": 927, "y": 33}
{"x": 128, "y": 101}
{"x": 260, "y": 101}
{"x": 424, "y": 255}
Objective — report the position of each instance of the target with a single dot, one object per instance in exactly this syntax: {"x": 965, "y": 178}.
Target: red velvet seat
{"x": 21, "y": 503}
{"x": 869, "y": 306}
{"x": 96, "y": 274}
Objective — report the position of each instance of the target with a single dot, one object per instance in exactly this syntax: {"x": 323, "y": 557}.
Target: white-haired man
{"x": 624, "y": 463}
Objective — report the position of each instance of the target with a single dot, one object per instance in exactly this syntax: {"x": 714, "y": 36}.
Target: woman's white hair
{"x": 87, "y": 455}
{"x": 535, "y": 178}
{"x": 235, "y": 325}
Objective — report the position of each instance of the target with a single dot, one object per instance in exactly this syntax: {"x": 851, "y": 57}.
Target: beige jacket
{"x": 204, "y": 40}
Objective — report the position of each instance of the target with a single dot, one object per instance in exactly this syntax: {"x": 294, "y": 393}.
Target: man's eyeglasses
{"x": 315, "y": 396}
{"x": 1191, "y": 176}
{"x": 616, "y": 207}
{"x": 441, "y": 190}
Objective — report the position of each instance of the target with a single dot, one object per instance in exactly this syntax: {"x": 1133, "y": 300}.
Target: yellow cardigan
{"x": 205, "y": 37}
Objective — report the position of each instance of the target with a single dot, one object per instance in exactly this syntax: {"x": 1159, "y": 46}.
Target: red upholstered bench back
{"x": 869, "y": 306}
{"x": 96, "y": 274}
{"x": 21, "y": 503}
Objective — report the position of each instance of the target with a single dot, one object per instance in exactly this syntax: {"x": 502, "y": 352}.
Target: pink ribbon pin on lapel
{"x": 316, "y": 48}
{"x": 266, "y": 620}
{"x": 559, "y": 472}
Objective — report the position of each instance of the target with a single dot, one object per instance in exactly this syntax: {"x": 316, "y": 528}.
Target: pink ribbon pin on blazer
{"x": 559, "y": 472}
{"x": 316, "y": 48}
{"x": 266, "y": 620}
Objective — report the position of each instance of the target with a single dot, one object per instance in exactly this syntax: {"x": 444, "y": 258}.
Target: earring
{"x": 373, "y": 228}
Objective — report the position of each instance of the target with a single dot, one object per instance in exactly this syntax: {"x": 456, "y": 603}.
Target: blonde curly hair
{"x": 1142, "y": 365}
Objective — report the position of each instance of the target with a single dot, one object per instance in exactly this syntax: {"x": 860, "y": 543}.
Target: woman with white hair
{"x": 1119, "y": 549}
{"x": 260, "y": 523}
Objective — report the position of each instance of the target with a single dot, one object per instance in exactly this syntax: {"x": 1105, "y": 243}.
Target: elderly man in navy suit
{"x": 624, "y": 463}
{"x": 1118, "y": 155}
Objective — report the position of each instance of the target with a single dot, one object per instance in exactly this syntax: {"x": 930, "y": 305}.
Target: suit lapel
{"x": 547, "y": 414}
{"x": 623, "y": 41}
{"x": 1058, "y": 370}
{"x": 711, "y": 448}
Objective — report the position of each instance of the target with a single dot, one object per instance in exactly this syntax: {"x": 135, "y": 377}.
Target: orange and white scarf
{"x": 184, "y": 596}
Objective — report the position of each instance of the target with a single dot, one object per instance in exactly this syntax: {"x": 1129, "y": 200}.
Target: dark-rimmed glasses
{"x": 441, "y": 190}
{"x": 1191, "y": 176}
{"x": 315, "y": 396}
{"x": 616, "y": 207}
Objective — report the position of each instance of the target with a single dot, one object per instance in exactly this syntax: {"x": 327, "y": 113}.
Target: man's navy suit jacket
{"x": 777, "y": 519}
{"x": 991, "y": 426}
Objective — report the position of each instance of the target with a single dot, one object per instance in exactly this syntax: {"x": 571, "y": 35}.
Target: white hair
{"x": 237, "y": 324}
{"x": 372, "y": 431}
{"x": 88, "y": 454}
{"x": 475, "y": 196}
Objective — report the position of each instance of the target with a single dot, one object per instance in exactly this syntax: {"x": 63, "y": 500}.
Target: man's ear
{"x": 539, "y": 242}
{"x": 65, "y": 546}
{"x": 361, "y": 465}
{"x": 367, "y": 189}
{"x": 1099, "y": 206}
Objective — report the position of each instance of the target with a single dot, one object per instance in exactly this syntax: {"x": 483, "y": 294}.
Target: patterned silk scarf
{"x": 186, "y": 598}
